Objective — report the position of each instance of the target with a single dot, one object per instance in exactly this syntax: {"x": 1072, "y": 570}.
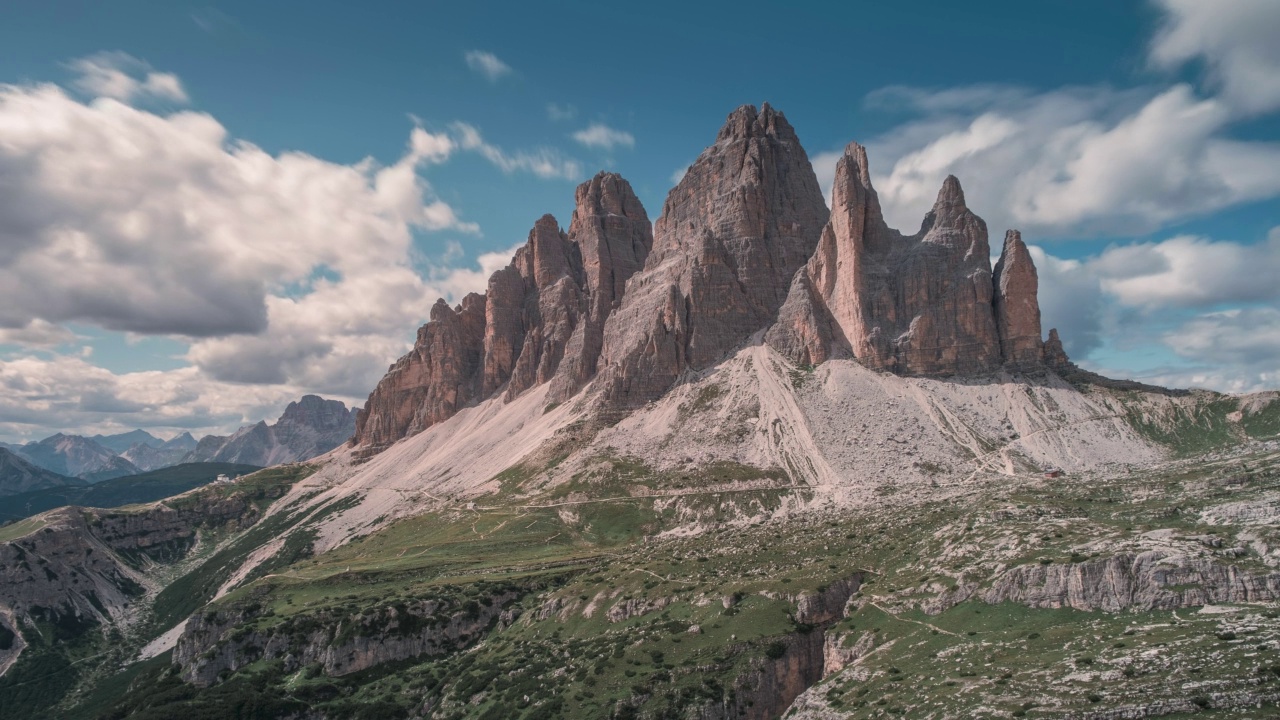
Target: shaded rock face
{"x": 214, "y": 643}
{"x": 614, "y": 237}
{"x": 732, "y": 234}
{"x": 308, "y": 427}
{"x": 540, "y": 320}
{"x": 19, "y": 476}
{"x": 925, "y": 304}
{"x": 437, "y": 378}
{"x": 1016, "y": 305}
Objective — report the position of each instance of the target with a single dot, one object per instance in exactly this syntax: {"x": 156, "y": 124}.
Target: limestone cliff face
{"x": 216, "y": 642}
{"x": 541, "y": 320}
{"x": 83, "y": 563}
{"x": 1154, "y": 579}
{"x": 733, "y": 232}
{"x": 925, "y": 304}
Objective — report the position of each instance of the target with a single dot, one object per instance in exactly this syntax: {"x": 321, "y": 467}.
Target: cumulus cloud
{"x": 43, "y": 395}
{"x": 1236, "y": 40}
{"x": 542, "y": 162}
{"x": 603, "y": 137}
{"x": 1191, "y": 271}
{"x": 1176, "y": 294}
{"x": 140, "y": 222}
{"x": 1077, "y": 160}
{"x": 487, "y": 64}
{"x": 283, "y": 273}
{"x": 125, "y": 78}
{"x": 37, "y": 333}
{"x": 1236, "y": 350}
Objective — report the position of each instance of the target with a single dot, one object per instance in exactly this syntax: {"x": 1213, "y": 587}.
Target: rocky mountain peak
{"x": 1054, "y": 355}
{"x": 746, "y": 122}
{"x": 927, "y": 304}
{"x": 745, "y": 245}
{"x": 950, "y": 196}
{"x": 540, "y": 320}
{"x": 1016, "y": 305}
{"x": 308, "y": 427}
{"x": 745, "y": 216}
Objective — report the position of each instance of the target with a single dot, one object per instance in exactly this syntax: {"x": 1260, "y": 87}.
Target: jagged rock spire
{"x": 745, "y": 244}
{"x": 733, "y": 232}
{"x": 1017, "y": 308}
{"x": 614, "y": 236}
{"x": 919, "y": 305}
{"x": 540, "y": 320}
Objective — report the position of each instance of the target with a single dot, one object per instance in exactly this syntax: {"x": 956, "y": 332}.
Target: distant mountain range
{"x": 308, "y": 427}
{"x": 18, "y": 475}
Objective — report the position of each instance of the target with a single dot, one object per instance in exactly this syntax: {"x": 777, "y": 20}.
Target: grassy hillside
{"x": 143, "y": 488}
{"x": 605, "y": 618}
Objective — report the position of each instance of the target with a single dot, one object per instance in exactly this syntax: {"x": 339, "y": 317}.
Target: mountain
{"x": 162, "y": 454}
{"x": 77, "y": 456}
{"x": 123, "y": 441}
{"x": 762, "y": 458}
{"x": 308, "y": 427}
{"x": 19, "y": 476}
{"x": 142, "y": 488}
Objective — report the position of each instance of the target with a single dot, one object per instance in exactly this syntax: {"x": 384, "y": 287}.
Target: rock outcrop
{"x": 614, "y": 237}
{"x": 1154, "y": 579}
{"x": 541, "y": 320}
{"x": 1017, "y": 306}
{"x": 733, "y": 232}
{"x": 926, "y": 304}
{"x": 221, "y": 642}
{"x": 437, "y": 378}
{"x": 745, "y": 249}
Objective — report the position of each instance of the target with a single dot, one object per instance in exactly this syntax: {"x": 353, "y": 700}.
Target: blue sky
{"x": 177, "y": 166}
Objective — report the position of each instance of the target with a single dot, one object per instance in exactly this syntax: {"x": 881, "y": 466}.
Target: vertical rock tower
{"x": 745, "y": 250}
{"x": 733, "y": 232}
{"x": 925, "y": 304}
{"x": 540, "y": 320}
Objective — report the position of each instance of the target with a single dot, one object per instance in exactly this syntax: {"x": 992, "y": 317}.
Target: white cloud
{"x": 603, "y": 137}
{"x": 1126, "y": 294}
{"x": 560, "y": 113}
{"x": 285, "y": 273}
{"x": 1234, "y": 350}
{"x": 542, "y": 162}
{"x": 162, "y": 224}
{"x": 1236, "y": 39}
{"x": 43, "y": 395}
{"x": 125, "y": 78}
{"x": 678, "y": 174}
{"x": 1191, "y": 271}
{"x": 37, "y": 333}
{"x": 1078, "y": 160}
{"x": 487, "y": 64}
